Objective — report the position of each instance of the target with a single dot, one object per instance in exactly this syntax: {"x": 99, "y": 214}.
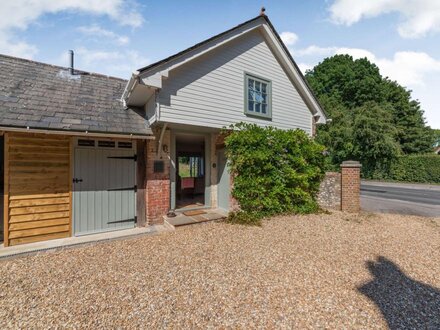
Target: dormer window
{"x": 258, "y": 96}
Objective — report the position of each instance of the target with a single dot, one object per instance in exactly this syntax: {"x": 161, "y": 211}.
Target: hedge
{"x": 275, "y": 171}
{"x": 413, "y": 168}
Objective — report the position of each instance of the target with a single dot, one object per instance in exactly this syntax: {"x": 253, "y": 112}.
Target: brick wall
{"x": 350, "y": 186}
{"x": 158, "y": 184}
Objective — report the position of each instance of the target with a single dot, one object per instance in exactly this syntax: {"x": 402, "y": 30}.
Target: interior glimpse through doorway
{"x": 190, "y": 156}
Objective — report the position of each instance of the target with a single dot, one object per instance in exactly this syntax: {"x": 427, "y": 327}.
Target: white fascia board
{"x": 130, "y": 85}
{"x": 164, "y": 68}
{"x": 294, "y": 75}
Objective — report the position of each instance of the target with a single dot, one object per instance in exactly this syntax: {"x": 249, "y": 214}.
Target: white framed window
{"x": 258, "y": 96}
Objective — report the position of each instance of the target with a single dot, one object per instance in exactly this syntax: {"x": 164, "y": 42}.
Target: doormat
{"x": 195, "y": 212}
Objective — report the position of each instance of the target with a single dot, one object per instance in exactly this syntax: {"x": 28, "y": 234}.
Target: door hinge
{"x": 135, "y": 188}
{"x": 134, "y": 157}
{"x": 123, "y": 189}
{"x": 135, "y": 219}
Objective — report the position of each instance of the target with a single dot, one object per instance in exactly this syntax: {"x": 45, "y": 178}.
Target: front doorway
{"x": 190, "y": 169}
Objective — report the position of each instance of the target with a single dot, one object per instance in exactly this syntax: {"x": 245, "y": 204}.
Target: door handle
{"x": 75, "y": 180}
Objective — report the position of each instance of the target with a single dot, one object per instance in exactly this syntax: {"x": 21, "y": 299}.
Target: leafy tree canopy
{"x": 374, "y": 119}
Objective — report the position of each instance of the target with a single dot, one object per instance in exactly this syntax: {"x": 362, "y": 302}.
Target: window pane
{"x": 264, "y": 97}
{"x": 251, "y": 106}
{"x": 257, "y": 86}
{"x": 257, "y": 107}
{"x": 258, "y": 97}
{"x": 264, "y": 108}
{"x": 264, "y": 88}
{"x": 251, "y": 90}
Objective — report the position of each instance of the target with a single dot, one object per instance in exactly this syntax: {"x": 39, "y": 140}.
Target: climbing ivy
{"x": 275, "y": 171}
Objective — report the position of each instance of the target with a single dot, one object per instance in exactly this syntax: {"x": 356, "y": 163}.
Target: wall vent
{"x": 106, "y": 144}
{"x": 86, "y": 143}
{"x": 125, "y": 144}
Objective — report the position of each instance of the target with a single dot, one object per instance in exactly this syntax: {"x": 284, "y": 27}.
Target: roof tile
{"x": 40, "y": 95}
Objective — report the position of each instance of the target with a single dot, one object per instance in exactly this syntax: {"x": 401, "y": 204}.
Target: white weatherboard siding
{"x": 209, "y": 91}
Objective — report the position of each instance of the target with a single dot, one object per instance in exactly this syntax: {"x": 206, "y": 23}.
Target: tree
{"x": 337, "y": 135}
{"x": 436, "y": 134}
{"x": 412, "y": 133}
{"x": 368, "y": 111}
{"x": 374, "y": 140}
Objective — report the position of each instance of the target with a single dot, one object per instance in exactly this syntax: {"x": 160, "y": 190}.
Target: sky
{"x": 116, "y": 37}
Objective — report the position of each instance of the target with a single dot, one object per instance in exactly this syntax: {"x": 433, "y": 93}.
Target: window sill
{"x": 254, "y": 115}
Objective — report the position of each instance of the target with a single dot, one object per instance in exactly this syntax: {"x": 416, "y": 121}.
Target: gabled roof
{"x": 43, "y": 96}
{"x": 185, "y": 51}
{"x": 152, "y": 73}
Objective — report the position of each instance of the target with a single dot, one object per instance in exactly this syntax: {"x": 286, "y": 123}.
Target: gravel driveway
{"x": 318, "y": 271}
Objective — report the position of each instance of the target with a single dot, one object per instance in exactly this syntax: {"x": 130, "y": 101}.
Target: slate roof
{"x": 43, "y": 96}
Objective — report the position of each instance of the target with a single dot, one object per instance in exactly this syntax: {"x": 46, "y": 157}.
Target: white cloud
{"x": 19, "y": 14}
{"x": 13, "y": 47}
{"x": 289, "y": 38}
{"x": 356, "y": 53}
{"x": 314, "y": 50}
{"x": 416, "y": 70}
{"x": 407, "y": 68}
{"x": 419, "y": 17}
{"x": 304, "y": 67}
{"x": 118, "y": 63}
{"x": 89, "y": 57}
{"x": 96, "y": 31}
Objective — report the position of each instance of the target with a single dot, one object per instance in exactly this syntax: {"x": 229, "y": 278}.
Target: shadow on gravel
{"x": 404, "y": 302}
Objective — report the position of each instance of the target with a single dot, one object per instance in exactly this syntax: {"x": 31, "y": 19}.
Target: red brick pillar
{"x": 158, "y": 181}
{"x": 350, "y": 186}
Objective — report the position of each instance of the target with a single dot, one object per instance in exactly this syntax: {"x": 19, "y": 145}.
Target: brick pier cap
{"x": 351, "y": 163}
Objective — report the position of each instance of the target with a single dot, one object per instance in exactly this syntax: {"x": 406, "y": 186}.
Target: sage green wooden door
{"x": 224, "y": 186}
{"x": 104, "y": 197}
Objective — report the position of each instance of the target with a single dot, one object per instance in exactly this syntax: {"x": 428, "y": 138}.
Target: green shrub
{"x": 275, "y": 171}
{"x": 244, "y": 218}
{"x": 412, "y": 168}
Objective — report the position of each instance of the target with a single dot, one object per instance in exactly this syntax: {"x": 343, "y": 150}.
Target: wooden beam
{"x": 141, "y": 174}
{"x": 6, "y": 191}
{"x": 71, "y": 151}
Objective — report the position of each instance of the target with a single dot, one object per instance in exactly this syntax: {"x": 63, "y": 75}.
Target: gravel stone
{"x": 317, "y": 271}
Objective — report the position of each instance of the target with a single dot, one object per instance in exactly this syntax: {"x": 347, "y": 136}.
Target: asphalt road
{"x": 423, "y": 200}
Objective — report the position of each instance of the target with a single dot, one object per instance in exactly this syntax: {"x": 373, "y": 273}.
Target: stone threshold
{"x": 183, "y": 220}
{"x": 70, "y": 242}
